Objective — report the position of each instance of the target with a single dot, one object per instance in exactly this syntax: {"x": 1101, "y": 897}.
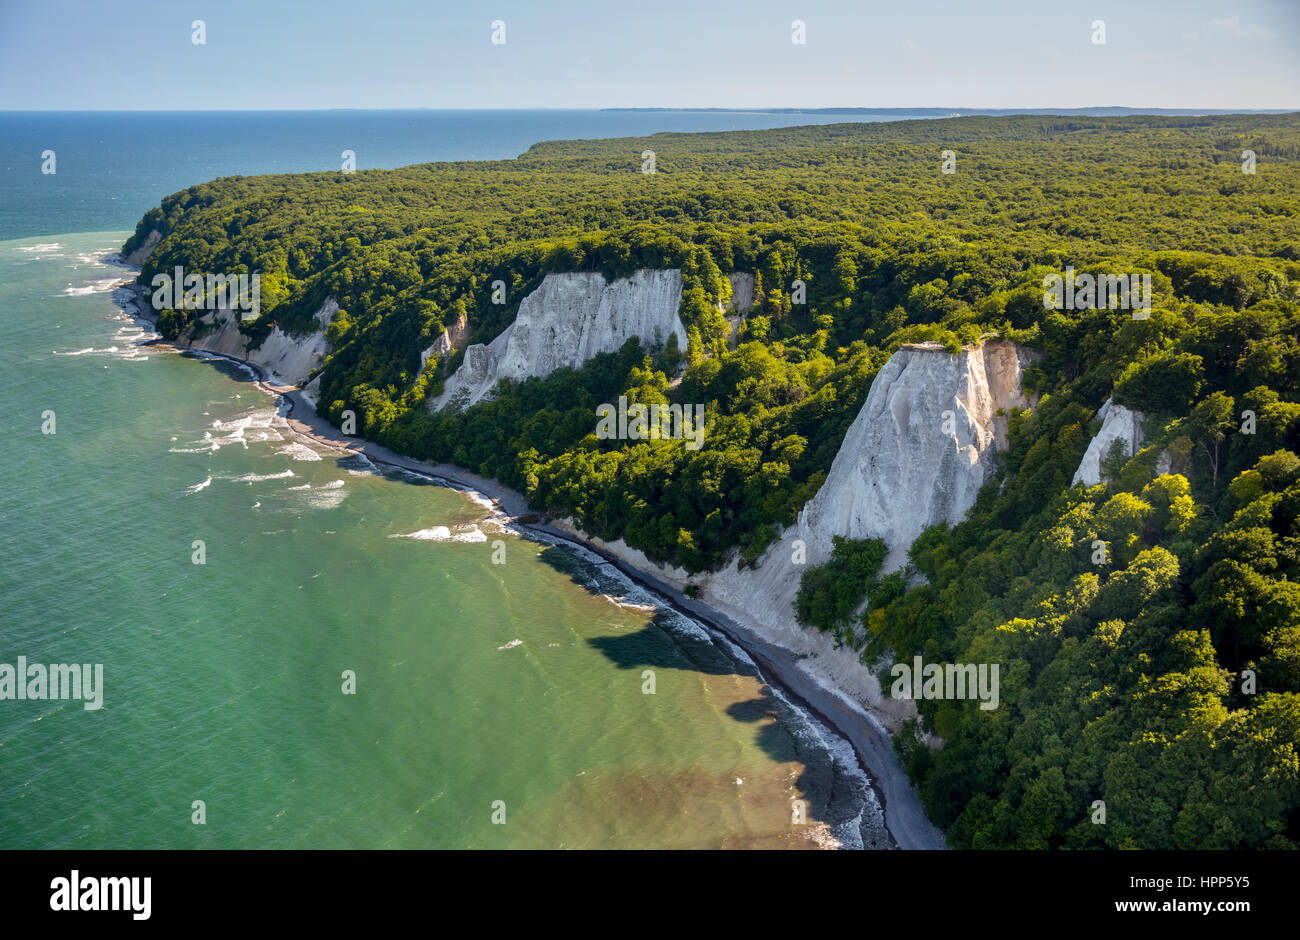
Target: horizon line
{"x": 830, "y": 109}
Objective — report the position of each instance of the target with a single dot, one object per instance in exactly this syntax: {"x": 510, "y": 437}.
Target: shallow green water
{"x": 223, "y": 681}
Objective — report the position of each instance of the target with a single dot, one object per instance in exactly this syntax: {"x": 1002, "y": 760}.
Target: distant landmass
{"x": 963, "y": 112}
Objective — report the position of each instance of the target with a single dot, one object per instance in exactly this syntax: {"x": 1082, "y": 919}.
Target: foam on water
{"x": 204, "y": 354}
{"x": 199, "y": 486}
{"x": 96, "y": 287}
{"x": 88, "y": 351}
{"x": 211, "y": 446}
{"x": 361, "y": 465}
{"x": 323, "y": 498}
{"x": 441, "y": 533}
{"x": 316, "y": 554}
{"x": 259, "y": 477}
{"x": 298, "y": 451}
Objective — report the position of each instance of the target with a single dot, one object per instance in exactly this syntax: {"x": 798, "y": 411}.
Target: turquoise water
{"x": 223, "y": 681}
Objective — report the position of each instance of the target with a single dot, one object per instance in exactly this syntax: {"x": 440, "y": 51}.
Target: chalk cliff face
{"x": 448, "y": 340}
{"x": 145, "y": 248}
{"x": 1118, "y": 424}
{"x": 742, "y": 298}
{"x": 920, "y": 449}
{"x": 918, "y": 452}
{"x": 289, "y": 358}
{"x": 566, "y": 321}
{"x": 742, "y": 292}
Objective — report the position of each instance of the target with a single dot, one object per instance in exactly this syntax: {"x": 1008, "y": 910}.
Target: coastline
{"x": 903, "y": 815}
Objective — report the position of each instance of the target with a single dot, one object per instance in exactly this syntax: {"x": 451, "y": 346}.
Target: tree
{"x": 1211, "y": 420}
{"x": 1116, "y": 457}
{"x": 1167, "y": 383}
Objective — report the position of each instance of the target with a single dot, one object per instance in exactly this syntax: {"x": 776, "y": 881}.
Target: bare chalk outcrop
{"x": 449, "y": 340}
{"x": 144, "y": 249}
{"x": 921, "y": 447}
{"x": 288, "y": 357}
{"x": 567, "y": 320}
{"x": 737, "y": 309}
{"x": 1117, "y": 424}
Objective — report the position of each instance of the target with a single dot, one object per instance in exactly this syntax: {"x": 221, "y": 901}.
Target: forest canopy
{"x": 1164, "y": 682}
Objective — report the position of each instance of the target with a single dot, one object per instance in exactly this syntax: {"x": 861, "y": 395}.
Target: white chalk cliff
{"x": 1117, "y": 424}
{"x": 917, "y": 454}
{"x": 144, "y": 249}
{"x": 448, "y": 341}
{"x": 289, "y": 358}
{"x": 567, "y": 320}
{"x": 742, "y": 298}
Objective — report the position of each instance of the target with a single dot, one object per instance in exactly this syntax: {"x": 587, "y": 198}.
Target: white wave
{"x": 212, "y": 445}
{"x": 442, "y": 533}
{"x": 629, "y": 605}
{"x": 259, "y": 477}
{"x": 365, "y": 462}
{"x": 321, "y": 498}
{"x": 802, "y": 725}
{"x": 263, "y": 418}
{"x": 239, "y": 428}
{"x": 234, "y": 424}
{"x": 97, "y": 287}
{"x": 438, "y": 533}
{"x": 135, "y": 335}
{"x": 845, "y": 758}
{"x": 736, "y": 652}
{"x": 332, "y": 485}
{"x": 46, "y": 246}
{"x": 410, "y": 473}
{"x": 632, "y": 596}
{"x": 297, "y": 451}
{"x": 88, "y": 351}
{"x": 474, "y": 496}
{"x": 199, "y": 486}
{"x": 511, "y": 645}
{"x": 204, "y": 354}
{"x": 294, "y": 489}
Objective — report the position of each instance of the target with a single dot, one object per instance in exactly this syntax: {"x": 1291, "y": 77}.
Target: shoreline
{"x": 903, "y": 817}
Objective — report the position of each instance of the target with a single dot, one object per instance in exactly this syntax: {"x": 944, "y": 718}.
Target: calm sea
{"x": 495, "y": 705}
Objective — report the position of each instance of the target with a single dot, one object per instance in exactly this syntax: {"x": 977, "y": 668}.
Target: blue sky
{"x": 65, "y": 54}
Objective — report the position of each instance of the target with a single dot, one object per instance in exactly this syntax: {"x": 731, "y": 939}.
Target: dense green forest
{"x": 1164, "y": 681}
